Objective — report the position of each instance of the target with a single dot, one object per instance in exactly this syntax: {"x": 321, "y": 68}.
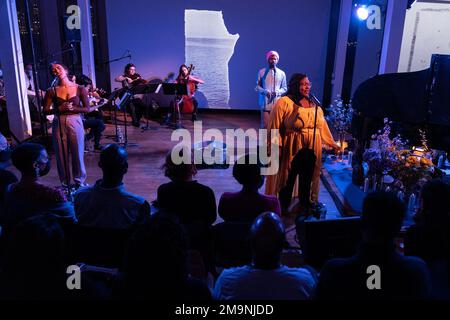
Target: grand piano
{"x": 412, "y": 100}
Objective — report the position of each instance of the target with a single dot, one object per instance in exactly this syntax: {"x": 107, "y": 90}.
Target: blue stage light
{"x": 362, "y": 13}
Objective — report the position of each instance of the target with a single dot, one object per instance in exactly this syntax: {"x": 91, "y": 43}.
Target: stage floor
{"x": 145, "y": 160}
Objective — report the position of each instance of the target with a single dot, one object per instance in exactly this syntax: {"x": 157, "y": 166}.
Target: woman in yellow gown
{"x": 293, "y": 115}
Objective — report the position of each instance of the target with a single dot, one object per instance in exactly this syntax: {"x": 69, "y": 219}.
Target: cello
{"x": 186, "y": 100}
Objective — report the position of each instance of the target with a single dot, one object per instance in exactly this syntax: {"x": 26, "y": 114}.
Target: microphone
{"x": 129, "y": 54}
{"x": 315, "y": 100}
{"x": 54, "y": 82}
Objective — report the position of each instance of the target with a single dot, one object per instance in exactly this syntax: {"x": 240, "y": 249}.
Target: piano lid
{"x": 410, "y": 97}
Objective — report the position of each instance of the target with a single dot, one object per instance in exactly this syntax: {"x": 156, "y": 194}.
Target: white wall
{"x": 426, "y": 32}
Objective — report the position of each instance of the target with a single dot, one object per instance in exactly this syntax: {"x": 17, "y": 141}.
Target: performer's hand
{"x": 336, "y": 149}
{"x": 66, "y": 106}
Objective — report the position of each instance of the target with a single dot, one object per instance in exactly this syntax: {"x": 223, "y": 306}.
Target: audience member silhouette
{"x": 247, "y": 204}
{"x": 29, "y": 196}
{"x": 34, "y": 261}
{"x": 377, "y": 271}
{"x": 107, "y": 204}
{"x": 193, "y": 204}
{"x": 6, "y": 176}
{"x": 265, "y": 278}
{"x": 156, "y": 264}
{"x": 190, "y": 200}
{"x": 429, "y": 238}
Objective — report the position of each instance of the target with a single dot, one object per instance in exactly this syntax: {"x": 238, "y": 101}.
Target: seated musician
{"x": 31, "y": 92}
{"x": 184, "y": 76}
{"x": 94, "y": 119}
{"x": 131, "y": 78}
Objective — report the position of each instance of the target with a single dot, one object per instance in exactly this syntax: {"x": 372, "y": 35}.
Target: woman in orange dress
{"x": 294, "y": 115}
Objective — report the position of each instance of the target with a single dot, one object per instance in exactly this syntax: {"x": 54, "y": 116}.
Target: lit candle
{"x": 366, "y": 185}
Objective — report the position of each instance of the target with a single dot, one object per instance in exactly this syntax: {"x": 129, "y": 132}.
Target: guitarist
{"x": 270, "y": 85}
{"x": 94, "y": 119}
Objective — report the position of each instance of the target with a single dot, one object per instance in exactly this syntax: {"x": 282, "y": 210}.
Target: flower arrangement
{"x": 340, "y": 115}
{"x": 382, "y": 157}
{"x": 410, "y": 168}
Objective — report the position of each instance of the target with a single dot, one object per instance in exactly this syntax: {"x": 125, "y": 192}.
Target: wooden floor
{"x": 145, "y": 160}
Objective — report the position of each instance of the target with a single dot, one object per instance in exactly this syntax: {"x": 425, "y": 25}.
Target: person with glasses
{"x": 293, "y": 115}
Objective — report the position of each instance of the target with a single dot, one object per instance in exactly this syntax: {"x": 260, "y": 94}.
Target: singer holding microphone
{"x": 294, "y": 115}
{"x": 270, "y": 85}
{"x": 69, "y": 100}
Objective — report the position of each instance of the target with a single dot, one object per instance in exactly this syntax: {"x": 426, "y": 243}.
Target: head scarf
{"x": 271, "y": 53}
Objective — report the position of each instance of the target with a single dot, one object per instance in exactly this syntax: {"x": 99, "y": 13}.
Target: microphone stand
{"x": 43, "y": 123}
{"x": 274, "y": 85}
{"x": 65, "y": 161}
{"x": 51, "y": 56}
{"x": 123, "y": 104}
{"x": 116, "y": 59}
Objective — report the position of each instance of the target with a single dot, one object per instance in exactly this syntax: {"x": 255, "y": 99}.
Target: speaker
{"x": 321, "y": 240}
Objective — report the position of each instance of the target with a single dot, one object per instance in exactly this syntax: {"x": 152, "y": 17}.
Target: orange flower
{"x": 426, "y": 162}
{"x": 412, "y": 161}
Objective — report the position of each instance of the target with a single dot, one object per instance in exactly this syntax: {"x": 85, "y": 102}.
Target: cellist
{"x": 188, "y": 103}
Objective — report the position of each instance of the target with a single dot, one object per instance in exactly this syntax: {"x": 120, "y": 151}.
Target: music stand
{"x": 127, "y": 95}
{"x": 112, "y": 98}
{"x": 145, "y": 89}
{"x": 175, "y": 89}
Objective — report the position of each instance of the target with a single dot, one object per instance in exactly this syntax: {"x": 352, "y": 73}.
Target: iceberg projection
{"x": 209, "y": 47}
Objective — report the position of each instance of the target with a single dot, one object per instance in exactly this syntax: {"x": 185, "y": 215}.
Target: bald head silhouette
{"x": 114, "y": 164}
{"x": 267, "y": 237}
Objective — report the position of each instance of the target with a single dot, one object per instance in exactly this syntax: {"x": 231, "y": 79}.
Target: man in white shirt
{"x": 265, "y": 278}
{"x": 270, "y": 85}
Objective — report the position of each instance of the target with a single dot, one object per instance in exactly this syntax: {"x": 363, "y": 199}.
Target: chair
{"x": 231, "y": 246}
{"x": 196, "y": 265}
{"x": 96, "y": 246}
{"x": 292, "y": 258}
{"x": 321, "y": 240}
